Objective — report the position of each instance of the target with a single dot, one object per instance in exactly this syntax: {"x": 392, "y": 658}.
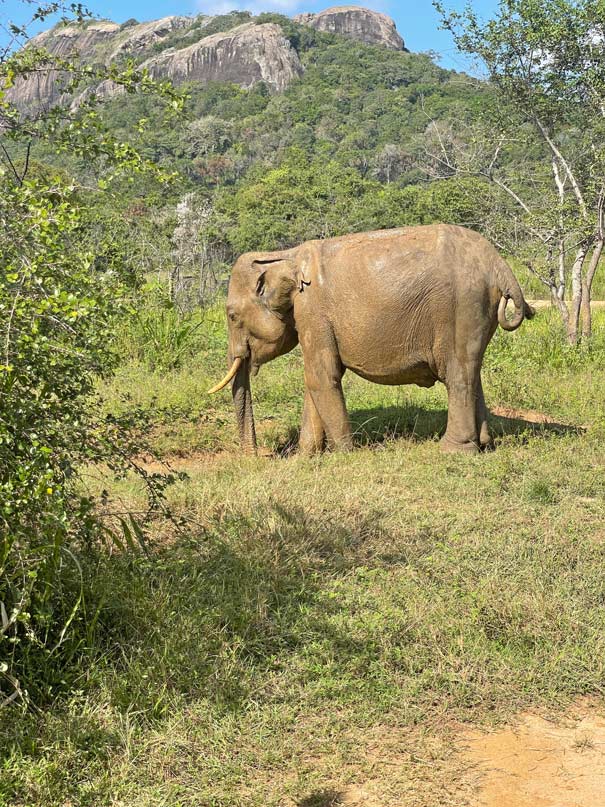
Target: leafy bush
{"x": 57, "y": 315}
{"x": 161, "y": 336}
{"x": 59, "y": 304}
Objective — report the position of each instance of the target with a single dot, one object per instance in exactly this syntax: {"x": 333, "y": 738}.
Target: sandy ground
{"x": 539, "y": 763}
{"x": 547, "y": 303}
{"x": 535, "y": 762}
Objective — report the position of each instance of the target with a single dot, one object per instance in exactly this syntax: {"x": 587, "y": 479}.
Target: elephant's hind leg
{"x": 485, "y": 439}
{"x": 312, "y": 432}
{"x": 462, "y": 432}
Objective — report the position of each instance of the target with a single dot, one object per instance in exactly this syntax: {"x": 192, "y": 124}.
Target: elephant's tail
{"x": 511, "y": 290}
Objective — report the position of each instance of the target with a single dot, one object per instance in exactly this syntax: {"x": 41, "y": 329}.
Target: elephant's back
{"x": 394, "y": 272}
{"x": 413, "y": 267}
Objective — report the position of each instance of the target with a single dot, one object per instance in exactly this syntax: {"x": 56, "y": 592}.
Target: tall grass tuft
{"x": 160, "y": 336}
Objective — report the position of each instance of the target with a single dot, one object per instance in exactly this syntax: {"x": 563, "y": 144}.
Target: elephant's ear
{"x": 279, "y": 280}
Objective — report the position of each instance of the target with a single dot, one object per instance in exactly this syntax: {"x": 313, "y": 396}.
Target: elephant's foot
{"x": 309, "y": 449}
{"x": 312, "y": 440}
{"x": 450, "y": 446}
{"x": 487, "y": 443}
{"x": 485, "y": 438}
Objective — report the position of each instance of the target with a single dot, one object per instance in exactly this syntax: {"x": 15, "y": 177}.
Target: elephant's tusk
{"x": 234, "y": 368}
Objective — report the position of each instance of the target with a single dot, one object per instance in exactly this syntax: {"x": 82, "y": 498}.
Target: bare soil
{"x": 530, "y": 415}
{"x": 539, "y": 763}
{"x": 548, "y": 304}
{"x": 535, "y": 762}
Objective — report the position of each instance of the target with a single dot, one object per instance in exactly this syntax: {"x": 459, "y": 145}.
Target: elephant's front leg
{"x": 323, "y": 376}
{"x": 312, "y": 432}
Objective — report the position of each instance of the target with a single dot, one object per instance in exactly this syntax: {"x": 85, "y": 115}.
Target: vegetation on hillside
{"x": 372, "y": 138}
{"x": 336, "y": 152}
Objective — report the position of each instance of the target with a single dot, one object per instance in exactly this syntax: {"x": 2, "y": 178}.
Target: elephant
{"x": 412, "y": 305}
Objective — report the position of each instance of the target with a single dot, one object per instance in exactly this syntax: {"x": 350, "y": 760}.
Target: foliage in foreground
{"x": 58, "y": 309}
{"x": 62, "y": 289}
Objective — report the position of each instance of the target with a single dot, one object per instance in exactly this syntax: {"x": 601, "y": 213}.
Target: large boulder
{"x": 45, "y": 87}
{"x": 138, "y": 38}
{"x": 243, "y": 55}
{"x": 355, "y": 22}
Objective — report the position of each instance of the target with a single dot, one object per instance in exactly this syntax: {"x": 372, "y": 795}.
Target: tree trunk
{"x": 560, "y": 304}
{"x": 587, "y": 289}
{"x": 576, "y": 295}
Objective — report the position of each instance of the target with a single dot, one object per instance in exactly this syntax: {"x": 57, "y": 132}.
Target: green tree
{"x": 545, "y": 59}
{"x": 59, "y": 300}
{"x": 293, "y": 202}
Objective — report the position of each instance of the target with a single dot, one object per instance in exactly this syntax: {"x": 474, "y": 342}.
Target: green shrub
{"x": 58, "y": 312}
{"x": 160, "y": 336}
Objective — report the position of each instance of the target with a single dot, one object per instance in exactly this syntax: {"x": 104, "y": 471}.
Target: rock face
{"x": 355, "y": 22}
{"x": 66, "y": 39}
{"x": 99, "y": 41}
{"x": 138, "y": 38}
{"x": 245, "y": 55}
{"x": 44, "y": 88}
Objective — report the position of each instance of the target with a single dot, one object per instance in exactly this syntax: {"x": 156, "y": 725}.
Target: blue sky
{"x": 416, "y": 20}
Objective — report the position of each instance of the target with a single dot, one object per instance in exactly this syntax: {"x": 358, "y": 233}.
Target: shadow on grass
{"x": 213, "y": 618}
{"x": 373, "y": 427}
{"x": 321, "y": 798}
{"x": 284, "y": 605}
{"x": 206, "y": 615}
{"x": 381, "y": 424}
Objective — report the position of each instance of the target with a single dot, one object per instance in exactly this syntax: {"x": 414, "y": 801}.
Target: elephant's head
{"x": 261, "y": 325}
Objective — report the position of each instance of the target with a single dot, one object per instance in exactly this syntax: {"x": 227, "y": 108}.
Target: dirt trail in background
{"x": 530, "y": 415}
{"x": 548, "y": 304}
{"x": 533, "y": 763}
{"x": 541, "y": 764}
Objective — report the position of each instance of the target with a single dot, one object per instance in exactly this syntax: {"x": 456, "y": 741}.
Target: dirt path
{"x": 538, "y": 763}
{"x": 547, "y": 303}
{"x": 534, "y": 762}
{"x": 530, "y": 416}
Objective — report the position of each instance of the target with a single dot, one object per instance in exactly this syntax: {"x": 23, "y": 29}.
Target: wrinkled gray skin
{"x": 408, "y": 306}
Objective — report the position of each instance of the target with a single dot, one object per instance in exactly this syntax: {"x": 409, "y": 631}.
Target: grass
{"x": 325, "y": 622}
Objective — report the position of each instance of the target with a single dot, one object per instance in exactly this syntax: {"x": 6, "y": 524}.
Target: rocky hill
{"x": 245, "y": 55}
{"x": 357, "y": 23}
{"x": 235, "y": 48}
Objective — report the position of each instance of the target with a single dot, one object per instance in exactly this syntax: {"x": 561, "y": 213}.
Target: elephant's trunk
{"x": 242, "y": 398}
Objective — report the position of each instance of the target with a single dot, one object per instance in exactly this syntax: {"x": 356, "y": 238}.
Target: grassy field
{"x": 314, "y": 624}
